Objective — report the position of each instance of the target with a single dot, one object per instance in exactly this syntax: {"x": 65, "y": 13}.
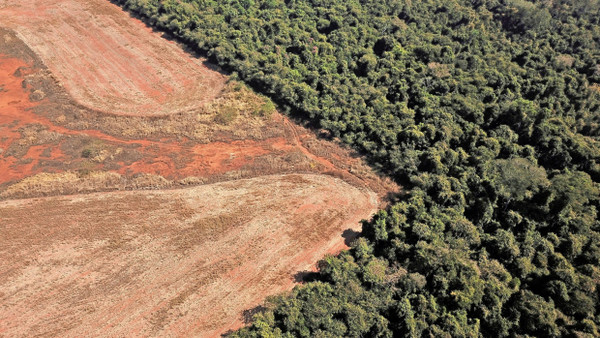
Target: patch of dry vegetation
{"x": 237, "y": 113}
{"x": 86, "y": 179}
{"x": 31, "y": 135}
{"x": 67, "y": 183}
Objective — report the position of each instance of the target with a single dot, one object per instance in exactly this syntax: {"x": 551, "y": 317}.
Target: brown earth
{"x": 182, "y": 262}
{"x": 115, "y": 58}
{"x": 107, "y": 108}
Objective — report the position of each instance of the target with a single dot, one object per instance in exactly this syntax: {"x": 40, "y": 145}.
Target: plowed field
{"x": 181, "y": 262}
{"x": 108, "y": 61}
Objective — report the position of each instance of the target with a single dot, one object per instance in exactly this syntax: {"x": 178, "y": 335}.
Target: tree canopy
{"x": 487, "y": 111}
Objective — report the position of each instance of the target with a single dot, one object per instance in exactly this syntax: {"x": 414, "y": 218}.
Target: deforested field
{"x": 109, "y": 62}
{"x": 182, "y": 262}
{"x": 142, "y": 192}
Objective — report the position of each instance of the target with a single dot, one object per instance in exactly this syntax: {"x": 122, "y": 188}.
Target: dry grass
{"x": 32, "y": 135}
{"x": 238, "y": 113}
{"x": 69, "y": 182}
{"x": 239, "y": 109}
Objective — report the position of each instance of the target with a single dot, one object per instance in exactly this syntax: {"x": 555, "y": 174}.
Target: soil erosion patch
{"x": 50, "y": 145}
{"x": 165, "y": 263}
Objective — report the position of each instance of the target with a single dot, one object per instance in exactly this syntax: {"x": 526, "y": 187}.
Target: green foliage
{"x": 86, "y": 153}
{"x": 267, "y": 109}
{"x": 487, "y": 112}
{"x": 226, "y": 114}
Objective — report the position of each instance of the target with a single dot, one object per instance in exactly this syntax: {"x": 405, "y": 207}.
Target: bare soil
{"x": 183, "y": 262}
{"x": 55, "y": 135}
{"x": 92, "y": 104}
{"x": 115, "y": 58}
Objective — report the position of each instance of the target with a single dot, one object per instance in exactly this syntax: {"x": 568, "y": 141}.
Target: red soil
{"x": 16, "y": 112}
{"x": 13, "y": 102}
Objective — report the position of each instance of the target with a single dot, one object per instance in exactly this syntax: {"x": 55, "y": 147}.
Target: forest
{"x": 486, "y": 111}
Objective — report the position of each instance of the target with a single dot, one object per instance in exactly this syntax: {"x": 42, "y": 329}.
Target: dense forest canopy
{"x": 487, "y": 111}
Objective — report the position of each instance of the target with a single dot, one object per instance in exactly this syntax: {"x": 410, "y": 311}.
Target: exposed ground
{"x": 165, "y": 263}
{"x": 115, "y": 59}
{"x": 52, "y": 145}
{"x": 86, "y": 114}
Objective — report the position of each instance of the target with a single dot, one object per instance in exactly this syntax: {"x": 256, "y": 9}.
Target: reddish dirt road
{"x": 181, "y": 262}
{"x": 108, "y": 61}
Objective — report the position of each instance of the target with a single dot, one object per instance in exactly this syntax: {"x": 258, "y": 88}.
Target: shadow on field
{"x": 349, "y": 236}
{"x": 305, "y": 276}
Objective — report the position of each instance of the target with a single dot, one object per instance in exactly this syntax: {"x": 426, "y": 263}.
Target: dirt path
{"x": 181, "y": 262}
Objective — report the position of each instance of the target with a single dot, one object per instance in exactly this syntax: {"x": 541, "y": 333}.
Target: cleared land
{"x": 109, "y": 62}
{"x": 51, "y": 145}
{"x": 165, "y": 263}
{"x": 172, "y": 262}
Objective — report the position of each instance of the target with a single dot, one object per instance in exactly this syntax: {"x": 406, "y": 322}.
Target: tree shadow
{"x": 349, "y": 236}
{"x": 227, "y": 333}
{"x": 249, "y": 314}
{"x": 305, "y": 276}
